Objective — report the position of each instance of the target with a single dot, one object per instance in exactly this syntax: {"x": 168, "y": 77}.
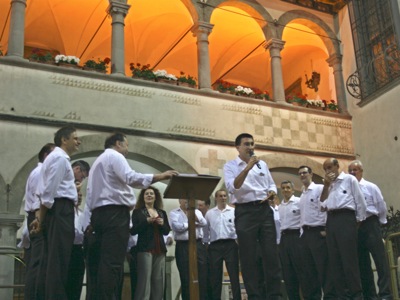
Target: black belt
{"x": 186, "y": 241}
{"x": 340, "y": 211}
{"x": 63, "y": 198}
{"x": 253, "y": 203}
{"x": 319, "y": 228}
{"x": 222, "y": 241}
{"x": 371, "y": 218}
{"x": 290, "y": 231}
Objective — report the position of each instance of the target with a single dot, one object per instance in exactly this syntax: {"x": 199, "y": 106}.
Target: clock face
{"x": 353, "y": 85}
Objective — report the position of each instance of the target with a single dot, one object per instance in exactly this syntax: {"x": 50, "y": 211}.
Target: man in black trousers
{"x": 250, "y": 186}
{"x": 109, "y": 198}
{"x": 58, "y": 195}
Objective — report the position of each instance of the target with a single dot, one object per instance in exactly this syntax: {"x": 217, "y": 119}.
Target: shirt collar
{"x": 58, "y": 149}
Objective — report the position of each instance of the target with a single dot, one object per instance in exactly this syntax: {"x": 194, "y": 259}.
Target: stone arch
{"x": 253, "y": 8}
{"x": 314, "y": 23}
{"x": 279, "y": 160}
{"x": 92, "y": 145}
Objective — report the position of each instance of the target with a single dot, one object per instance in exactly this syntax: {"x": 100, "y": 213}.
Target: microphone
{"x": 252, "y": 154}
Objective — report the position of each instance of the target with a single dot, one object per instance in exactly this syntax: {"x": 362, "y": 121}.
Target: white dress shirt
{"x": 180, "y": 224}
{"x": 310, "y": 206}
{"x": 32, "y": 202}
{"x": 220, "y": 224}
{"x": 345, "y": 192}
{"x": 56, "y": 179}
{"x": 78, "y": 221}
{"x": 374, "y": 200}
{"x": 277, "y": 221}
{"x": 289, "y": 213}
{"x": 25, "y": 239}
{"x": 256, "y": 185}
{"x": 111, "y": 179}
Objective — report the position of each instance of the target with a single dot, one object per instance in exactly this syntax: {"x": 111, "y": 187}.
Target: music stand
{"x": 192, "y": 187}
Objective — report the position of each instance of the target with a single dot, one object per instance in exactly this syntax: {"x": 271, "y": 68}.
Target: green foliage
{"x": 101, "y": 65}
{"x": 41, "y": 56}
{"x": 393, "y": 223}
{"x": 142, "y": 71}
{"x": 187, "y": 79}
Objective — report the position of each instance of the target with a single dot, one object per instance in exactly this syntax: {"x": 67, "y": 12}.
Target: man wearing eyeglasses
{"x": 250, "y": 185}
{"x": 313, "y": 242}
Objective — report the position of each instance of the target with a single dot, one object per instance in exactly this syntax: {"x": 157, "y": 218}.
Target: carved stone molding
{"x": 331, "y": 122}
{"x": 193, "y": 130}
{"x": 241, "y": 108}
{"x": 143, "y": 124}
{"x": 102, "y": 86}
{"x": 43, "y": 114}
{"x": 72, "y": 115}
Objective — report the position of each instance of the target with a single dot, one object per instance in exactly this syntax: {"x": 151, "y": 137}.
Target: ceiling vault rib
{"x": 171, "y": 48}
{"x": 5, "y": 24}
{"x": 94, "y": 35}
{"x": 238, "y": 63}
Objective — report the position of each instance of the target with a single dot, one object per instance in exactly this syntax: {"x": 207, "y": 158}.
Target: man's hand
{"x": 35, "y": 226}
{"x": 252, "y": 161}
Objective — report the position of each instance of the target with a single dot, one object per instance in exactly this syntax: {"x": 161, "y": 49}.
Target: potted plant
{"x": 243, "y": 91}
{"x": 258, "y": 94}
{"x": 224, "y": 86}
{"x": 163, "y": 76}
{"x": 332, "y": 106}
{"x": 38, "y": 55}
{"x": 67, "y": 60}
{"x": 142, "y": 71}
{"x": 297, "y": 99}
{"x": 186, "y": 80}
{"x": 98, "y": 66}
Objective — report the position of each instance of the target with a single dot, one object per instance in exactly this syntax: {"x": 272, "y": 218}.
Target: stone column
{"x": 335, "y": 61}
{"x": 201, "y": 30}
{"x": 118, "y": 9}
{"x": 278, "y": 89}
{"x": 8, "y": 242}
{"x": 15, "y": 49}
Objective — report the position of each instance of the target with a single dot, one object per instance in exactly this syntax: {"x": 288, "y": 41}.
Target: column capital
{"x": 275, "y": 44}
{"x": 334, "y": 59}
{"x": 118, "y": 7}
{"x": 202, "y": 27}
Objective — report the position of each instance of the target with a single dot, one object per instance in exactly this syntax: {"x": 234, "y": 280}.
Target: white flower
{"x": 68, "y": 59}
{"x": 243, "y": 90}
{"x": 164, "y": 74}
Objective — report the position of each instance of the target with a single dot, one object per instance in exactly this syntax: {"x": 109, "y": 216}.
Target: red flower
{"x": 107, "y": 60}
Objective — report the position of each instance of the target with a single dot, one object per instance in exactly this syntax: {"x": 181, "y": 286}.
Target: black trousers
{"x": 341, "y": 239}
{"x": 291, "y": 260}
{"x": 182, "y": 262}
{"x": 107, "y": 253}
{"x": 59, "y": 235}
{"x": 370, "y": 241}
{"x": 133, "y": 270}
{"x": 315, "y": 264}
{"x": 255, "y": 227}
{"x": 76, "y": 271}
{"x": 218, "y": 252}
{"x": 32, "y": 276}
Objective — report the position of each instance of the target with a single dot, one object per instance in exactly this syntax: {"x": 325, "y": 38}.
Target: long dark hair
{"x": 158, "y": 203}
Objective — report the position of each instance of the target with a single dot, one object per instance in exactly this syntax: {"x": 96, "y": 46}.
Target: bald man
{"x": 370, "y": 238}
{"x": 346, "y": 207}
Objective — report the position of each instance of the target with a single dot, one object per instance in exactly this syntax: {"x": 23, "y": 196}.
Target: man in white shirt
{"x": 109, "y": 197}
{"x": 58, "y": 195}
{"x": 250, "y": 185}
{"x": 178, "y": 219}
{"x": 76, "y": 269}
{"x": 345, "y": 204}
{"x": 223, "y": 246}
{"x": 313, "y": 239}
{"x": 289, "y": 247}
{"x": 32, "y": 205}
{"x": 370, "y": 239}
